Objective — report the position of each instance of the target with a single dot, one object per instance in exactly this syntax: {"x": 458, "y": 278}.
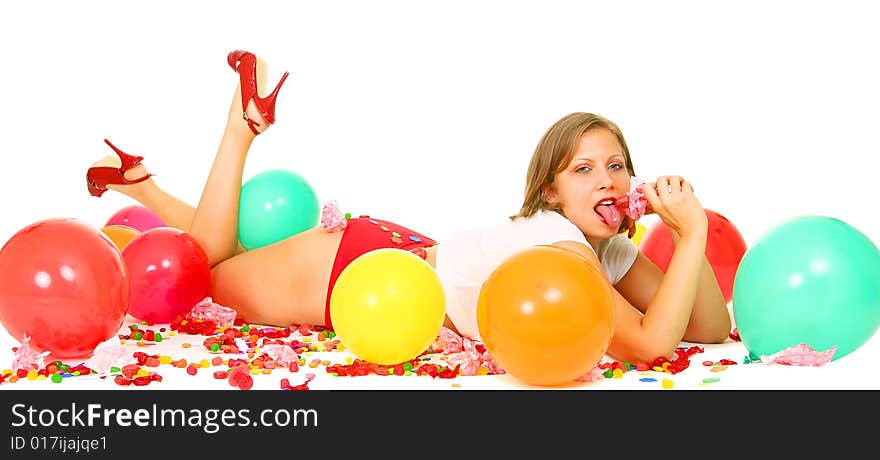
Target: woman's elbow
{"x": 716, "y": 333}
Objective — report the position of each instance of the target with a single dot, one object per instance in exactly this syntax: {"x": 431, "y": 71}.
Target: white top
{"x": 465, "y": 261}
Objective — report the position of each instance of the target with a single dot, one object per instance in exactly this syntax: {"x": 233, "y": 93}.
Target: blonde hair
{"x": 555, "y": 151}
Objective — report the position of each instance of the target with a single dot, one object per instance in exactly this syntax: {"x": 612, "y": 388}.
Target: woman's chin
{"x": 600, "y": 231}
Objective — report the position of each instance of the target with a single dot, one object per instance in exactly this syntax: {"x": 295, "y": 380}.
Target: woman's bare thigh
{"x": 280, "y": 284}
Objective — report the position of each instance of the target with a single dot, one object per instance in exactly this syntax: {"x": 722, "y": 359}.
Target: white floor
{"x": 858, "y": 370}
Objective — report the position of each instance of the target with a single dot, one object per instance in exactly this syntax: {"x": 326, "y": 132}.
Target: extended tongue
{"x": 610, "y": 213}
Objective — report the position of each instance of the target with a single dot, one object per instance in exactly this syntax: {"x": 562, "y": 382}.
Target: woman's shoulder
{"x": 617, "y": 255}
{"x": 549, "y": 227}
{"x": 544, "y": 217}
{"x": 617, "y": 243}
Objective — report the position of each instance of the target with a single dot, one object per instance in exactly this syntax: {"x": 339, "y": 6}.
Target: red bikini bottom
{"x": 364, "y": 234}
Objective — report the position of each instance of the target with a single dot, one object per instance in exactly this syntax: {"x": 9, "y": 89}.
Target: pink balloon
{"x": 64, "y": 284}
{"x": 139, "y": 218}
{"x": 169, "y": 274}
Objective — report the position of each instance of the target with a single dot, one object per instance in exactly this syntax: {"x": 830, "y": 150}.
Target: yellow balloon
{"x": 640, "y": 232}
{"x": 120, "y": 235}
{"x": 387, "y": 306}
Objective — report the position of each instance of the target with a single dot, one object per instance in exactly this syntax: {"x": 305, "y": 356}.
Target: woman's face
{"x": 596, "y": 174}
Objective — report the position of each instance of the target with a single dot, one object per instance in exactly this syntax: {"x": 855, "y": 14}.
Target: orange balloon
{"x": 546, "y": 315}
{"x": 120, "y": 235}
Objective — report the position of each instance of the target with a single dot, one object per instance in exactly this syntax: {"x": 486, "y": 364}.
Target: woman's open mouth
{"x": 608, "y": 213}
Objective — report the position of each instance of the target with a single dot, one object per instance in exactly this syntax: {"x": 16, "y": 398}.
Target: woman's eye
{"x": 583, "y": 169}
{"x": 616, "y": 166}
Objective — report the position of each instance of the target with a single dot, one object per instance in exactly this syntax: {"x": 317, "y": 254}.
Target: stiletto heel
{"x": 99, "y": 177}
{"x": 245, "y": 64}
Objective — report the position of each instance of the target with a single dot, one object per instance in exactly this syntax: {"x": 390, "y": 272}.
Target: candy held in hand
{"x": 634, "y": 204}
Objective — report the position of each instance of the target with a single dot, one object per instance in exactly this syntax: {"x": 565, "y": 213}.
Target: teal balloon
{"x": 274, "y": 205}
{"x": 813, "y": 280}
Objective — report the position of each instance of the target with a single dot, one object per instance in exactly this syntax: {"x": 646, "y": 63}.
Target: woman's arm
{"x": 643, "y": 338}
{"x": 666, "y": 304}
{"x": 710, "y": 319}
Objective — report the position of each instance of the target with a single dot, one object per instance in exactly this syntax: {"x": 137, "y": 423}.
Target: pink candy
{"x": 448, "y": 341}
{"x": 107, "y": 354}
{"x": 638, "y": 204}
{"x": 469, "y": 359}
{"x": 332, "y": 219}
{"x": 593, "y": 375}
{"x": 26, "y": 358}
{"x": 490, "y": 364}
{"x": 283, "y": 355}
{"x": 463, "y": 352}
{"x": 801, "y": 355}
{"x": 207, "y": 310}
{"x": 634, "y": 204}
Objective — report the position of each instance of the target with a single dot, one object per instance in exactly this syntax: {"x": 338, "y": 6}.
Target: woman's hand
{"x": 673, "y": 199}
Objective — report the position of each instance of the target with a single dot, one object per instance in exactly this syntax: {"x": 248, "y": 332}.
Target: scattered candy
{"x": 591, "y": 376}
{"x": 240, "y": 377}
{"x": 27, "y": 358}
{"x": 801, "y": 355}
{"x": 332, "y": 219}
{"x": 734, "y": 335}
{"x": 208, "y": 311}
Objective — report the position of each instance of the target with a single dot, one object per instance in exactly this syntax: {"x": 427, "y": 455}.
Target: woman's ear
{"x": 548, "y": 194}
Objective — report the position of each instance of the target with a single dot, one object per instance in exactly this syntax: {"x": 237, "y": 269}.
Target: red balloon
{"x": 169, "y": 274}
{"x": 725, "y": 248}
{"x": 64, "y": 284}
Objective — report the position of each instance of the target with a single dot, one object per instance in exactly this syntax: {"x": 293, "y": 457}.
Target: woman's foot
{"x": 242, "y": 120}
{"x": 257, "y": 111}
{"x": 132, "y": 175}
{"x": 111, "y": 171}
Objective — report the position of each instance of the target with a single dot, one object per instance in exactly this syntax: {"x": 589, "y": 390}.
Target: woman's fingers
{"x": 668, "y": 185}
{"x": 650, "y": 190}
{"x": 663, "y": 186}
{"x": 687, "y": 186}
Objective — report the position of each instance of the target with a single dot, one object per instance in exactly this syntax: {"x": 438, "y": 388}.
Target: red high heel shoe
{"x": 245, "y": 64}
{"x": 99, "y": 177}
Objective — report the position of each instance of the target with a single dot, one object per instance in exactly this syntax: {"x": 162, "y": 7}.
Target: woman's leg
{"x": 214, "y": 223}
{"x": 174, "y": 212}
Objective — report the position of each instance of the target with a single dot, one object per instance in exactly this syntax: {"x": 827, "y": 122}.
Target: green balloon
{"x": 274, "y": 205}
{"x": 813, "y": 280}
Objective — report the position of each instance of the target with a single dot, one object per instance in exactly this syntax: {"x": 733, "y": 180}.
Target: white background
{"x": 426, "y": 113}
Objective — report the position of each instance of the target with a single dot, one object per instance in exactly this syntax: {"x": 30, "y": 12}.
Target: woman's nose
{"x": 604, "y": 181}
